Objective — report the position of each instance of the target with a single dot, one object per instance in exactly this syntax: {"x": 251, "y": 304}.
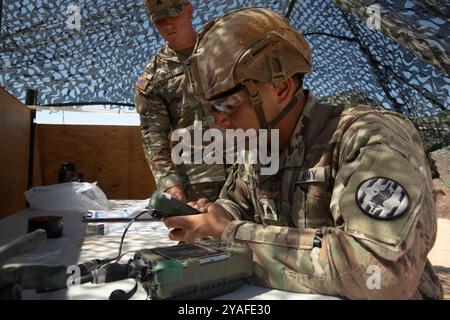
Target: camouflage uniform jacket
{"x": 165, "y": 104}
{"x": 349, "y": 213}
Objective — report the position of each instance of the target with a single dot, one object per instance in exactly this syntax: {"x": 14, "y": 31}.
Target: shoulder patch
{"x": 142, "y": 83}
{"x": 382, "y": 198}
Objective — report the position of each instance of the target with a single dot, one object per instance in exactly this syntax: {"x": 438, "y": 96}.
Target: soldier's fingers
{"x": 180, "y": 196}
{"x": 176, "y": 234}
{"x": 193, "y": 204}
{"x": 202, "y": 201}
{"x": 203, "y": 205}
{"x": 207, "y": 205}
{"x": 169, "y": 222}
{"x": 199, "y": 204}
{"x": 189, "y": 237}
{"x": 177, "y": 222}
{"x": 177, "y": 192}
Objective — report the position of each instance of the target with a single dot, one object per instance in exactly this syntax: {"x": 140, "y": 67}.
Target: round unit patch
{"x": 382, "y": 198}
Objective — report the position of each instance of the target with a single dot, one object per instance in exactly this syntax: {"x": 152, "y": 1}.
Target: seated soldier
{"x": 350, "y": 211}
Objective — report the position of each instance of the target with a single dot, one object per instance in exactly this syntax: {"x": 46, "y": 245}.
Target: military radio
{"x": 205, "y": 269}
{"x": 202, "y": 270}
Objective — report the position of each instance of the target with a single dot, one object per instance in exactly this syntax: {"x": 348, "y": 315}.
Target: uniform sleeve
{"x": 382, "y": 198}
{"x": 155, "y": 131}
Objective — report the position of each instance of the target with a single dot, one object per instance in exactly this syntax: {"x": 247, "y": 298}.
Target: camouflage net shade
{"x": 92, "y": 51}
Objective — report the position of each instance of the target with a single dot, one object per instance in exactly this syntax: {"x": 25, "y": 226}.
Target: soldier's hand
{"x": 188, "y": 228}
{"x": 177, "y": 192}
{"x": 201, "y": 204}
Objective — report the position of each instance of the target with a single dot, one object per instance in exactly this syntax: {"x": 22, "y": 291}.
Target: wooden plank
{"x": 111, "y": 155}
{"x": 14, "y": 149}
{"x": 37, "y": 175}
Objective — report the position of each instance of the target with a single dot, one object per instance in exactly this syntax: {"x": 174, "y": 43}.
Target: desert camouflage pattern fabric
{"x": 229, "y": 38}
{"x": 163, "y": 8}
{"x": 305, "y": 224}
{"x": 165, "y": 103}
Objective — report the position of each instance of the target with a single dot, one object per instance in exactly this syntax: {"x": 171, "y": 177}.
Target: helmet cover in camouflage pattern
{"x": 164, "y": 8}
{"x": 247, "y": 44}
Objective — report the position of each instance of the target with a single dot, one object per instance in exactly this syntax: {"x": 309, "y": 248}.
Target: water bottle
{"x": 68, "y": 173}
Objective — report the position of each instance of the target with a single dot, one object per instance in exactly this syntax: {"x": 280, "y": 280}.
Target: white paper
{"x": 117, "y": 209}
{"x": 145, "y": 228}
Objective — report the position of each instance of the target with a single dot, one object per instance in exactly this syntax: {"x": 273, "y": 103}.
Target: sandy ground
{"x": 440, "y": 254}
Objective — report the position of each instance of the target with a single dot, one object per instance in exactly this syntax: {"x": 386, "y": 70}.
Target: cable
{"x": 122, "y": 295}
{"x": 124, "y": 254}
{"x": 123, "y": 236}
{"x": 118, "y": 274}
{"x": 92, "y": 265}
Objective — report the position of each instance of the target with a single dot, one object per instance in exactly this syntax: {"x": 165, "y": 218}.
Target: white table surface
{"x": 76, "y": 247}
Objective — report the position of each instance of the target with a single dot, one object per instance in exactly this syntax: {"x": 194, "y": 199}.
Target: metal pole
{"x": 31, "y": 99}
{"x": 290, "y": 7}
{"x": 1, "y": 15}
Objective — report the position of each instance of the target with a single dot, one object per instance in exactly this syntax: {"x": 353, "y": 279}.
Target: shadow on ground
{"x": 444, "y": 276}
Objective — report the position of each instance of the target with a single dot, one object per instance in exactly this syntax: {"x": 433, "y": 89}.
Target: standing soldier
{"x": 165, "y": 103}
{"x": 350, "y": 212}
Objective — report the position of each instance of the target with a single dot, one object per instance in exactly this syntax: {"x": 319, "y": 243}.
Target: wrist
{"x": 229, "y": 233}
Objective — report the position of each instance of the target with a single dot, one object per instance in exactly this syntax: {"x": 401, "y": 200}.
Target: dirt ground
{"x": 440, "y": 254}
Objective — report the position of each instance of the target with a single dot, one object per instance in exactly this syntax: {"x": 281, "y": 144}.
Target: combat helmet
{"x": 244, "y": 46}
{"x": 164, "y": 8}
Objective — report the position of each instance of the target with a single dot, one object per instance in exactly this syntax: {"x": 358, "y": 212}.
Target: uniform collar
{"x": 293, "y": 154}
{"x": 168, "y": 54}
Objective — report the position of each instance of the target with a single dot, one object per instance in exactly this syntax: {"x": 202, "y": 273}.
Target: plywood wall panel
{"x": 14, "y": 149}
{"x": 111, "y": 155}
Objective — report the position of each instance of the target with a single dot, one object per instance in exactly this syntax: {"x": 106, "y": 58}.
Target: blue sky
{"x": 86, "y": 118}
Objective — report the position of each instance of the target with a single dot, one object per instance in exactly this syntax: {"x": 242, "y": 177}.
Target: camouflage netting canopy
{"x": 93, "y": 51}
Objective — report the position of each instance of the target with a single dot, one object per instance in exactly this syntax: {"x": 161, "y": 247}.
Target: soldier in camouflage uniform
{"x": 165, "y": 104}
{"x": 350, "y": 212}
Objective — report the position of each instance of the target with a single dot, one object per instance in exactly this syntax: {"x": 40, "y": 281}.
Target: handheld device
{"x": 164, "y": 205}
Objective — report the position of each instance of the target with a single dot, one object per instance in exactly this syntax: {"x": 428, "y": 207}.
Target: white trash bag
{"x": 69, "y": 196}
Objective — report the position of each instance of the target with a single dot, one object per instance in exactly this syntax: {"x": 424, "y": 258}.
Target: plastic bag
{"x": 70, "y": 196}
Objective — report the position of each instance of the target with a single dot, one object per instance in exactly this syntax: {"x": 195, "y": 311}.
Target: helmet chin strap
{"x": 256, "y": 101}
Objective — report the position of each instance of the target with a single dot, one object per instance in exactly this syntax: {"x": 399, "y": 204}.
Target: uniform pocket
{"x": 317, "y": 206}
